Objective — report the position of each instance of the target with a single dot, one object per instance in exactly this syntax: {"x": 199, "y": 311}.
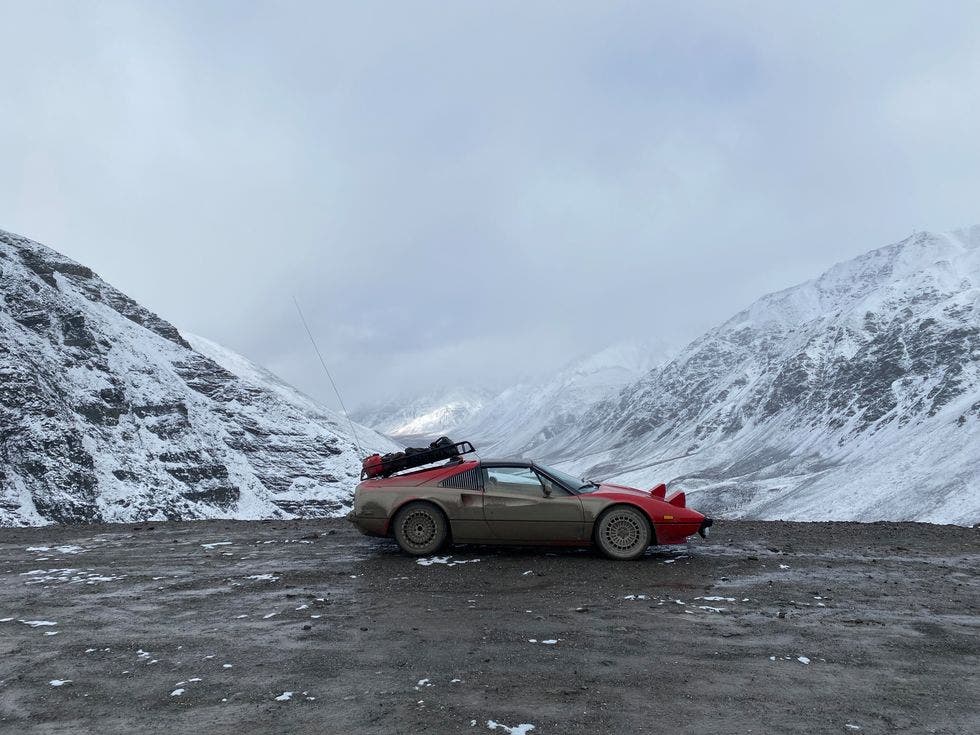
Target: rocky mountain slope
{"x": 107, "y": 413}
{"x": 853, "y": 396}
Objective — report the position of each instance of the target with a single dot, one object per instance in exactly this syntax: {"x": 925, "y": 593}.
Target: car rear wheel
{"x": 622, "y": 533}
{"x": 420, "y": 529}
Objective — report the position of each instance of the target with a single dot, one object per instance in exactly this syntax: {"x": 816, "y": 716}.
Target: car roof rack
{"x": 413, "y": 458}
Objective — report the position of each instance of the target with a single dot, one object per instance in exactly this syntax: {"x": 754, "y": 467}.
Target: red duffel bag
{"x": 372, "y": 466}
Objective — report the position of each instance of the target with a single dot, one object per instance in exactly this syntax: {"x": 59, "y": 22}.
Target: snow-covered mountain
{"x": 513, "y": 422}
{"x": 852, "y": 396}
{"x": 107, "y": 413}
{"x": 426, "y": 417}
{"x": 524, "y": 417}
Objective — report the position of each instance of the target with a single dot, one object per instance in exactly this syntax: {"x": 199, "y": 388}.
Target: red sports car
{"x": 518, "y": 502}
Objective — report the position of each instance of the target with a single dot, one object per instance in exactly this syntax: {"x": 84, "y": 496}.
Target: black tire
{"x": 623, "y": 533}
{"x": 420, "y": 528}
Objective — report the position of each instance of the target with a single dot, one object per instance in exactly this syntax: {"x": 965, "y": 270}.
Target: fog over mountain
{"x": 426, "y": 417}
{"x": 484, "y": 192}
{"x": 528, "y": 415}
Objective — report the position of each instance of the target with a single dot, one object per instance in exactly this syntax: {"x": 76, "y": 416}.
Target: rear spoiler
{"x": 677, "y": 499}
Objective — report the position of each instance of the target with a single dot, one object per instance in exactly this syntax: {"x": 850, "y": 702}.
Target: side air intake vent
{"x": 469, "y": 480}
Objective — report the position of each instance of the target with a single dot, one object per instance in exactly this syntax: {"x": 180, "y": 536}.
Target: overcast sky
{"x": 465, "y": 192}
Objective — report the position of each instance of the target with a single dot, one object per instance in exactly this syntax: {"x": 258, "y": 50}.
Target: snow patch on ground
{"x": 68, "y": 549}
{"x": 523, "y": 729}
{"x": 68, "y": 575}
{"x": 447, "y": 560}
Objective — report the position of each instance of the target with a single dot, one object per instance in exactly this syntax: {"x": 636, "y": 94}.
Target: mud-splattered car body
{"x": 518, "y": 502}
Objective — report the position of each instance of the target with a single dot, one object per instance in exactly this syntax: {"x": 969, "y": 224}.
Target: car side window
{"x": 553, "y": 487}
{"x": 522, "y": 480}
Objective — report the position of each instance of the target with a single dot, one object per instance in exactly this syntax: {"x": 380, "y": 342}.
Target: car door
{"x": 461, "y": 495}
{"x": 521, "y": 505}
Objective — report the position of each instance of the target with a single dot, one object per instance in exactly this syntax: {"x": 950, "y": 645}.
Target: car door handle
{"x": 514, "y": 502}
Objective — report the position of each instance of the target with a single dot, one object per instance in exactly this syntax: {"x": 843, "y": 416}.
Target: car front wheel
{"x": 420, "y": 529}
{"x": 622, "y": 533}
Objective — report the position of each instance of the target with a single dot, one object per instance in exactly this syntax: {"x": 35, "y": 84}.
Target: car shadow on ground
{"x": 388, "y": 548}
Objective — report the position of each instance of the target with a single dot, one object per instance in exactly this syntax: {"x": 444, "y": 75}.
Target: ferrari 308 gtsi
{"x": 511, "y": 502}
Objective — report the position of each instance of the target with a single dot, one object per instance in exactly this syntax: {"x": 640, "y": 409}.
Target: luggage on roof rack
{"x": 387, "y": 465}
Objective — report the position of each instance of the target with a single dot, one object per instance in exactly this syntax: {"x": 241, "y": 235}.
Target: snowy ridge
{"x": 517, "y": 420}
{"x": 259, "y": 377}
{"x": 524, "y": 418}
{"x": 854, "y": 396}
{"x": 435, "y": 414}
{"x": 107, "y": 413}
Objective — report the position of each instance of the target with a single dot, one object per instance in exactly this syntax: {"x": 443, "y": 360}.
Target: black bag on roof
{"x": 442, "y": 448}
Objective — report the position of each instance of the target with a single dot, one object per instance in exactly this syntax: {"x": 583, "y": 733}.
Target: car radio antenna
{"x": 329, "y": 376}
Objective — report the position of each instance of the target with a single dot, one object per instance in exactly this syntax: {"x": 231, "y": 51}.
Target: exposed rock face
{"x": 108, "y": 414}
{"x": 853, "y": 396}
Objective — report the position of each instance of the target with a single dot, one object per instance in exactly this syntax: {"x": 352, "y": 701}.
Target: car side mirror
{"x": 547, "y": 492}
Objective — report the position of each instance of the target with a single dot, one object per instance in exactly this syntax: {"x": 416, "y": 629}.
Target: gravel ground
{"x": 306, "y": 626}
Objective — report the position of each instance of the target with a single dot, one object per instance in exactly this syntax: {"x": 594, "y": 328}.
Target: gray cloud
{"x": 478, "y": 191}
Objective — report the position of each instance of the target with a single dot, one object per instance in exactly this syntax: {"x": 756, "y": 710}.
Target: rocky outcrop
{"x": 108, "y": 414}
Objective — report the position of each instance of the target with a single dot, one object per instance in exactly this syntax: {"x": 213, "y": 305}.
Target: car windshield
{"x": 575, "y": 484}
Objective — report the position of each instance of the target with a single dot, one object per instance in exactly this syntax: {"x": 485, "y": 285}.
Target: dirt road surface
{"x": 308, "y": 627}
